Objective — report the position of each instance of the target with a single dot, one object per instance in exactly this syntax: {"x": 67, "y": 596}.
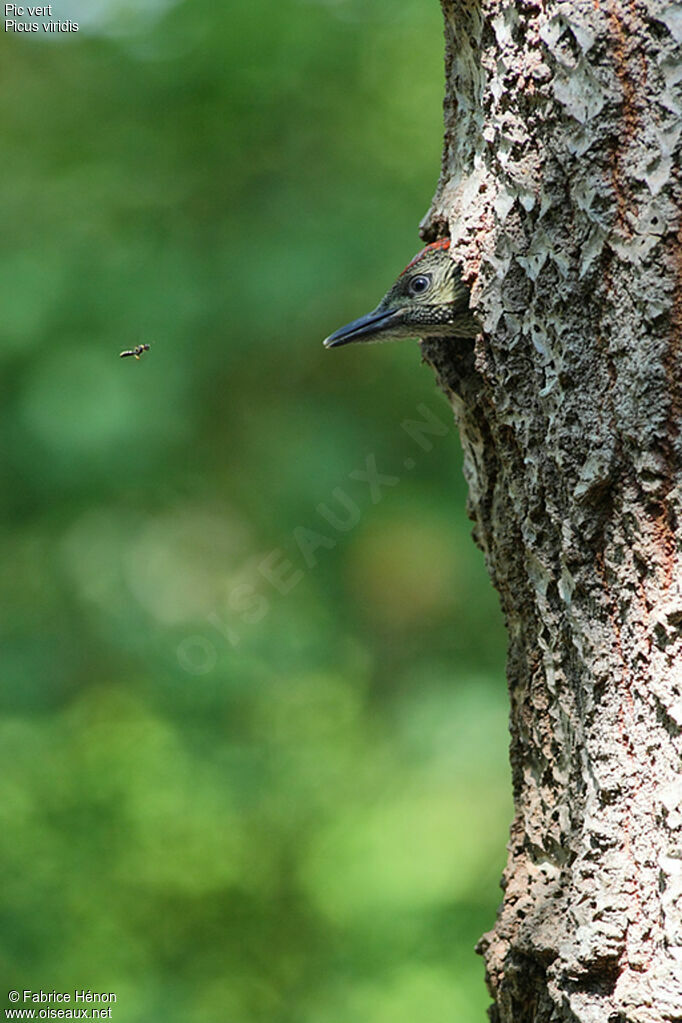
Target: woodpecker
{"x": 429, "y": 299}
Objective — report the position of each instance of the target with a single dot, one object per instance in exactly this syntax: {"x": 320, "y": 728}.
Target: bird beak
{"x": 367, "y": 328}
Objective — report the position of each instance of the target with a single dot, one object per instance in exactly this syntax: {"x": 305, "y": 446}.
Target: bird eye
{"x": 419, "y": 284}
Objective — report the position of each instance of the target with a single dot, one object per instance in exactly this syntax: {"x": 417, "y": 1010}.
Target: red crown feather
{"x": 442, "y": 243}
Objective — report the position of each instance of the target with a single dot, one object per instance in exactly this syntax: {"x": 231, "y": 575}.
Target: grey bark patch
{"x": 560, "y": 191}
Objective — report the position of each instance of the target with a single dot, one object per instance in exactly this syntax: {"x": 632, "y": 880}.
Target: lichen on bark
{"x": 560, "y": 189}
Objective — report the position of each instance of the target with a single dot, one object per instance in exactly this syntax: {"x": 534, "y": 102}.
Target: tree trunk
{"x": 560, "y": 189}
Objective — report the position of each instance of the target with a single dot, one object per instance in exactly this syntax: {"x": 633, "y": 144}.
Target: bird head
{"x": 429, "y": 299}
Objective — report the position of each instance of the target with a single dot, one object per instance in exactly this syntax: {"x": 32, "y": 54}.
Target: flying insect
{"x": 136, "y": 352}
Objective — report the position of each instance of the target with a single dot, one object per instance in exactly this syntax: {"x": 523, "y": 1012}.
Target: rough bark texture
{"x": 560, "y": 190}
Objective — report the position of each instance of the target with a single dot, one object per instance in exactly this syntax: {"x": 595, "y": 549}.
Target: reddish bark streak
{"x": 619, "y": 180}
{"x": 665, "y": 542}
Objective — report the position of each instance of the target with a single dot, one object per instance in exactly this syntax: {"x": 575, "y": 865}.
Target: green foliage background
{"x": 220, "y": 801}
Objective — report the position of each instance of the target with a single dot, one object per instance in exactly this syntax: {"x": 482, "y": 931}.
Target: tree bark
{"x": 561, "y": 192}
